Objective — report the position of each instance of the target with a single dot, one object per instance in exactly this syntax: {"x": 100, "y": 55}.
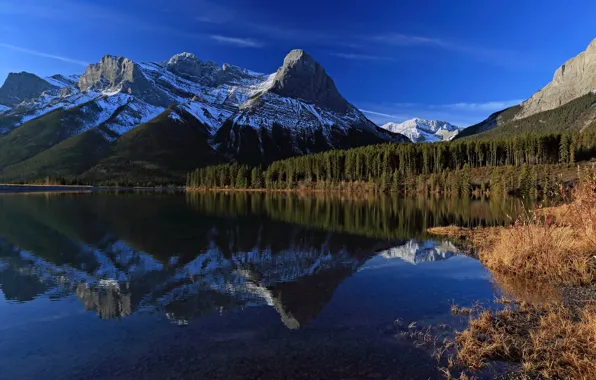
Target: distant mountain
{"x": 122, "y": 120}
{"x": 420, "y": 130}
{"x": 568, "y": 102}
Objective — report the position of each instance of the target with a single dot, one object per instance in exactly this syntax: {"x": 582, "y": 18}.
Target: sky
{"x": 457, "y": 61}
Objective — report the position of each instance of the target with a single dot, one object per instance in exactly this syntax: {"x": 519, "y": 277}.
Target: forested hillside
{"x": 577, "y": 115}
{"x": 524, "y": 162}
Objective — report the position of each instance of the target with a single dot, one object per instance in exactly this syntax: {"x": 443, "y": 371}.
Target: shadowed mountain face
{"x": 186, "y": 256}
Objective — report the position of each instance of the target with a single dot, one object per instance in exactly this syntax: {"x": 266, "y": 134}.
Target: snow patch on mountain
{"x": 61, "y": 81}
{"x": 101, "y": 111}
{"x": 208, "y": 114}
{"x": 47, "y": 104}
{"x": 293, "y": 114}
{"x": 135, "y": 112}
{"x": 420, "y": 130}
{"x": 3, "y": 109}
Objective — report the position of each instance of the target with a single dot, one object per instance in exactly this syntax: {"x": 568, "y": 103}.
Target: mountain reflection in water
{"x": 195, "y": 255}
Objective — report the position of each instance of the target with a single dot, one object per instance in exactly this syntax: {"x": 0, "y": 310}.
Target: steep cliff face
{"x": 577, "y": 77}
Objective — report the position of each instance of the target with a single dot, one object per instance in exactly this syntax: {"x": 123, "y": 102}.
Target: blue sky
{"x": 457, "y": 61}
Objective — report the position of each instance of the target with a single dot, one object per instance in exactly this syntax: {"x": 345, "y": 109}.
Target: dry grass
{"x": 548, "y": 340}
{"x": 555, "y": 245}
{"x": 550, "y": 253}
{"x": 458, "y": 310}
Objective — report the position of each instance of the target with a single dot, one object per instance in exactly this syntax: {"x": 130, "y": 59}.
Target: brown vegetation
{"x": 531, "y": 260}
{"x": 551, "y": 341}
{"x": 555, "y": 245}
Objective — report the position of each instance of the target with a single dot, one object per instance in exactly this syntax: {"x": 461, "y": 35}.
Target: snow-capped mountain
{"x": 239, "y": 114}
{"x": 420, "y": 130}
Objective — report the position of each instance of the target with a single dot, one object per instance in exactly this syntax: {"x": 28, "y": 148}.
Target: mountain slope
{"x": 577, "y": 115}
{"x": 164, "y": 149}
{"x": 65, "y": 159}
{"x": 420, "y": 130}
{"x": 230, "y": 113}
{"x": 567, "y": 103}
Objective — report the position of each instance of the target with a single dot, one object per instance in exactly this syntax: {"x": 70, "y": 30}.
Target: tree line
{"x": 444, "y": 167}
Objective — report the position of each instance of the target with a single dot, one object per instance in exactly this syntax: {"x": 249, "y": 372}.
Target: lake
{"x": 168, "y": 285}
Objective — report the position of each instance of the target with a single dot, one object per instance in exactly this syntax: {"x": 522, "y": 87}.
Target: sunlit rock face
{"x": 573, "y": 79}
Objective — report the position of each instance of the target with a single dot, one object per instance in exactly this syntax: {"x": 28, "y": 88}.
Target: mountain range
{"x": 153, "y": 122}
{"x": 420, "y": 130}
{"x": 122, "y": 120}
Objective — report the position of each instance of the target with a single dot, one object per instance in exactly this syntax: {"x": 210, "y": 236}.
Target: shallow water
{"x": 246, "y": 286}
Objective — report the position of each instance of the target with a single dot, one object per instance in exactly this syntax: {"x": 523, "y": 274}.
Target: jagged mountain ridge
{"x": 250, "y": 117}
{"x": 421, "y": 130}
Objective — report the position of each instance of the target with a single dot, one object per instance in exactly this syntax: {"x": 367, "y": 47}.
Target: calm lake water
{"x": 229, "y": 286}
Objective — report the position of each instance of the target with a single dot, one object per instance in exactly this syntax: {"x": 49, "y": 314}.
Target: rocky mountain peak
{"x": 116, "y": 73}
{"x": 22, "y": 86}
{"x": 301, "y": 77}
{"x": 188, "y": 66}
{"x": 575, "y": 78}
{"x": 184, "y": 56}
{"x": 110, "y": 72}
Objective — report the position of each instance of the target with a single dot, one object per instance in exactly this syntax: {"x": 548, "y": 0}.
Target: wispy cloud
{"x": 241, "y": 42}
{"x": 43, "y": 54}
{"x": 499, "y": 57}
{"x": 362, "y": 57}
{"x": 407, "y": 40}
{"x": 387, "y": 115}
{"x": 96, "y": 14}
{"x": 492, "y": 106}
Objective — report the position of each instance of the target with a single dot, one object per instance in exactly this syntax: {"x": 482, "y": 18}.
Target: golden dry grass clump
{"x": 556, "y": 254}
{"x": 547, "y": 340}
{"x": 557, "y": 245}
